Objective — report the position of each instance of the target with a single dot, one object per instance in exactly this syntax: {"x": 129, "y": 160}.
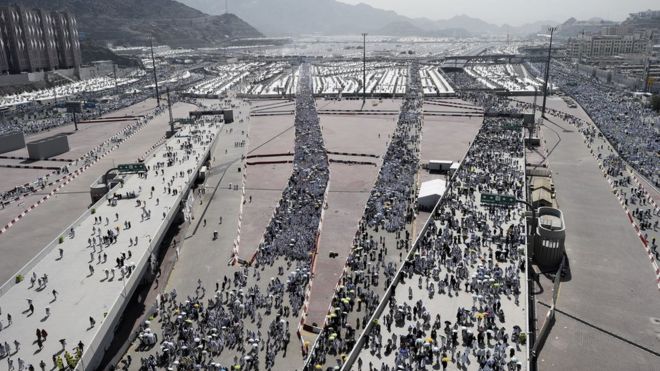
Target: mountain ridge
{"x": 134, "y": 22}
{"x": 299, "y": 17}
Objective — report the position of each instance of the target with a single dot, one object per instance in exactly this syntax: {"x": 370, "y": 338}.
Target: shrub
{"x": 19, "y": 278}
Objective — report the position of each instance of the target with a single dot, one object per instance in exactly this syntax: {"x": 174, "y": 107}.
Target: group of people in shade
{"x": 248, "y": 321}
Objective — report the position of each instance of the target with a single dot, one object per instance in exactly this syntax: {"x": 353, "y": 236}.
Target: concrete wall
{"x": 48, "y": 147}
{"x": 11, "y": 142}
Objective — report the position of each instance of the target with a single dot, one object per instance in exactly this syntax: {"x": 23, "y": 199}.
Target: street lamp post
{"x": 364, "y": 67}
{"x": 153, "y": 62}
{"x": 547, "y": 70}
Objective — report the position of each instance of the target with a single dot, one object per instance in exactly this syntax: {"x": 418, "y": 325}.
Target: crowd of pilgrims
{"x": 468, "y": 251}
{"x": 627, "y": 123}
{"x": 462, "y": 80}
{"x": 293, "y": 229}
{"x": 34, "y": 117}
{"x": 389, "y": 203}
{"x": 369, "y": 268}
{"x": 243, "y": 325}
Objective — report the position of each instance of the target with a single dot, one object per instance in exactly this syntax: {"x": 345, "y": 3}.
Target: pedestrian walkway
{"x": 76, "y": 288}
{"x": 461, "y": 301}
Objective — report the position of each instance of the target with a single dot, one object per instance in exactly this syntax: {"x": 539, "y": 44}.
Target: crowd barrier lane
{"x": 631, "y": 170}
{"x": 269, "y": 162}
{"x": 68, "y": 178}
{"x": 240, "y": 212}
{"x": 610, "y": 181}
{"x": 134, "y": 128}
{"x": 347, "y": 162}
{"x": 352, "y": 154}
{"x": 271, "y": 155}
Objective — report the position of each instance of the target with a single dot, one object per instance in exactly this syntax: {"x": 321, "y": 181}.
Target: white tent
{"x": 430, "y": 193}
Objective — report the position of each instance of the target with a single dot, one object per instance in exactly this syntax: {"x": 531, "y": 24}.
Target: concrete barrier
{"x": 12, "y": 141}
{"x": 48, "y": 147}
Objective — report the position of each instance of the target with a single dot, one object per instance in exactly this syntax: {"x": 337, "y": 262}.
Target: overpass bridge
{"x": 86, "y": 281}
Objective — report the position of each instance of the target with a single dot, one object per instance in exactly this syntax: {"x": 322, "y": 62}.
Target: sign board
{"x": 73, "y": 107}
{"x": 132, "y": 168}
{"x": 500, "y": 200}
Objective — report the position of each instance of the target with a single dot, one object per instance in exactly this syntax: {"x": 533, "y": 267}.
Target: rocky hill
{"x": 332, "y": 17}
{"x": 133, "y": 22}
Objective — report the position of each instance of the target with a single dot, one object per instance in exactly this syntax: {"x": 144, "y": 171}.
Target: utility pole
{"x": 153, "y": 62}
{"x": 647, "y": 67}
{"x": 169, "y": 107}
{"x": 364, "y": 67}
{"x": 114, "y": 72}
{"x": 532, "y": 127}
{"x": 547, "y": 71}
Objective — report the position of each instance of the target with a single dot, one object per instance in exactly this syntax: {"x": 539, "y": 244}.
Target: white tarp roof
{"x": 435, "y": 187}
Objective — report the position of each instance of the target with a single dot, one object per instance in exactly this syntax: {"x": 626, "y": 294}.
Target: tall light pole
{"x": 169, "y": 107}
{"x": 153, "y": 62}
{"x": 547, "y": 71}
{"x": 364, "y": 67}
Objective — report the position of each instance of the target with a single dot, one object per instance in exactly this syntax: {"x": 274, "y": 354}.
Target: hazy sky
{"x": 514, "y": 12}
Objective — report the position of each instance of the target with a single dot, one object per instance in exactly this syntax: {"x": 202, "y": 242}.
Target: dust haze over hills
{"x": 133, "y": 22}
{"x": 331, "y": 17}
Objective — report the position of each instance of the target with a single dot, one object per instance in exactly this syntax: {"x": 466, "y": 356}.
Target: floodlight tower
{"x": 547, "y": 71}
{"x": 169, "y": 107}
{"x": 364, "y": 67}
{"x": 153, "y": 62}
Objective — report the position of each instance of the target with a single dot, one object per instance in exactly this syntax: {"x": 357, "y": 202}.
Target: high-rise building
{"x": 4, "y": 63}
{"x": 595, "y": 46}
{"x": 68, "y": 41}
{"x": 37, "y": 40}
